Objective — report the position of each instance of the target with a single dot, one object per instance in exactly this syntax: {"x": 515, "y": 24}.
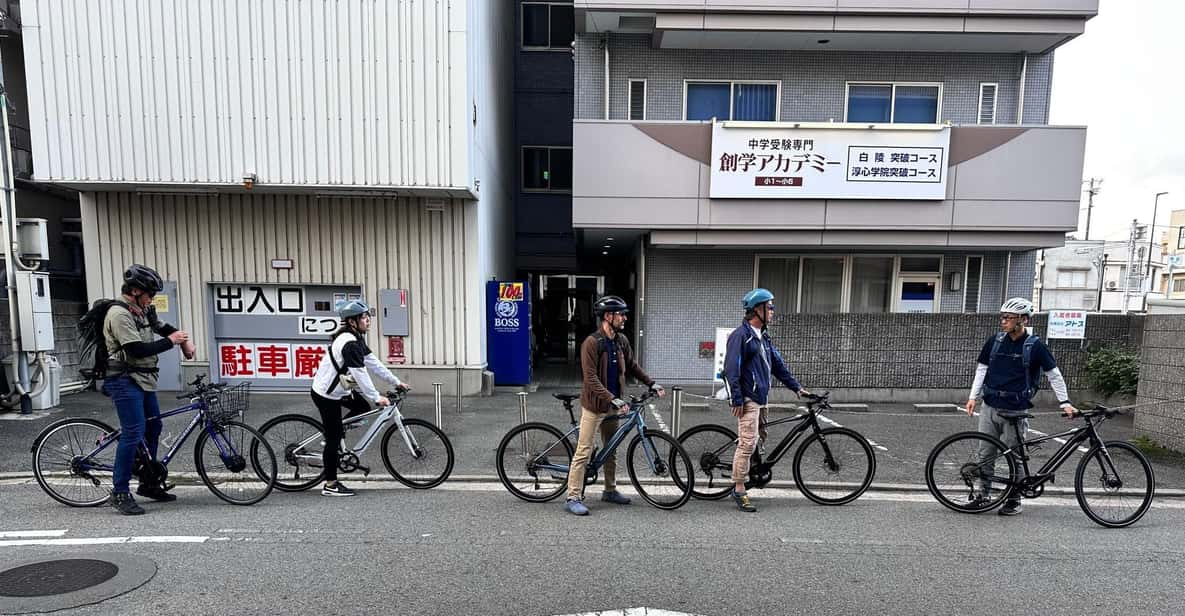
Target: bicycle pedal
{"x": 365, "y": 470}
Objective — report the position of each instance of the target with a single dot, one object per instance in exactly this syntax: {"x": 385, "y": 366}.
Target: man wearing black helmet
{"x": 129, "y": 331}
{"x": 605, "y": 361}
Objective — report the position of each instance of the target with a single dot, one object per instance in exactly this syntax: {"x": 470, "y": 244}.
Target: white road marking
{"x": 11, "y": 534}
{"x": 837, "y": 425}
{"x": 661, "y": 424}
{"x": 101, "y": 541}
{"x": 633, "y": 611}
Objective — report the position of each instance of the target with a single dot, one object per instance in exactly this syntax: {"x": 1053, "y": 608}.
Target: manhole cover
{"x": 55, "y": 577}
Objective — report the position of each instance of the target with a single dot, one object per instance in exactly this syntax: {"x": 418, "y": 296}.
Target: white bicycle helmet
{"x": 1018, "y": 305}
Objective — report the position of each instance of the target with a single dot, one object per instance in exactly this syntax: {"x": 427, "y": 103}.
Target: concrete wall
{"x": 1162, "y": 381}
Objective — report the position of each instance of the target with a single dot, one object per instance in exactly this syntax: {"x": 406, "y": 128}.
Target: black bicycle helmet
{"x": 144, "y": 278}
{"x": 610, "y": 303}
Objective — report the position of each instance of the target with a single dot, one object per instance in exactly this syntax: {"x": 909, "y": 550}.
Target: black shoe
{"x": 125, "y": 504}
{"x": 1011, "y": 508}
{"x": 742, "y": 502}
{"x": 156, "y": 493}
{"x": 336, "y": 488}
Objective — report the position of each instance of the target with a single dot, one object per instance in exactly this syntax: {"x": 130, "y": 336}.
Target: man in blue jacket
{"x": 750, "y": 363}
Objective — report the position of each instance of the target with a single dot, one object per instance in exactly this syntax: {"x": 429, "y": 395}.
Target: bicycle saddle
{"x": 565, "y": 397}
{"x": 1014, "y": 415}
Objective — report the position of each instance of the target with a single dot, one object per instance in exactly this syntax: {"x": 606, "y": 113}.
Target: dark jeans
{"x": 139, "y": 419}
{"x": 331, "y": 418}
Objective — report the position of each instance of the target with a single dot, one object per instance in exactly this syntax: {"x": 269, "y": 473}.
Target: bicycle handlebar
{"x": 1098, "y": 410}
{"x": 200, "y": 387}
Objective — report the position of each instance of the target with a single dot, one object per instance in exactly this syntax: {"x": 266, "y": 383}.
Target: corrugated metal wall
{"x": 377, "y": 243}
{"x": 310, "y": 92}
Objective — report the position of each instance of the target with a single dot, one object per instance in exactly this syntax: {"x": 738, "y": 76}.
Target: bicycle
{"x": 420, "y": 445}
{"x": 1115, "y": 470}
{"x": 74, "y": 459}
{"x": 833, "y": 466}
{"x": 533, "y": 458}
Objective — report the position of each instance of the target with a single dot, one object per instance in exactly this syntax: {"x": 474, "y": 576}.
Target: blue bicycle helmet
{"x": 755, "y": 298}
{"x": 351, "y": 308}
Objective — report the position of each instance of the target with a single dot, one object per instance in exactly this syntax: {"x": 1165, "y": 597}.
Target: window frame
{"x": 1072, "y": 272}
{"x": 979, "y": 288}
{"x": 522, "y": 25}
{"x": 523, "y": 172}
{"x": 847, "y": 94}
{"x": 848, "y": 272}
{"x": 732, "y": 94}
{"x": 1181, "y": 238}
{"x": 629, "y": 99}
{"x": 995, "y": 103}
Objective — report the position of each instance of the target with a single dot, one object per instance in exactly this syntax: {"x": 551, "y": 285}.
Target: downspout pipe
{"x": 1020, "y": 96}
{"x": 605, "y": 46}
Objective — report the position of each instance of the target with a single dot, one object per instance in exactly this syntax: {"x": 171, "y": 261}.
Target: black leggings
{"x": 331, "y": 419}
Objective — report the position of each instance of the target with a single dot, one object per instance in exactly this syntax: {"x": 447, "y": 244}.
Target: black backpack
{"x": 92, "y": 348}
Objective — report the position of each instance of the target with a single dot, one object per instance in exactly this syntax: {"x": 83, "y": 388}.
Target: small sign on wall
{"x": 1067, "y": 324}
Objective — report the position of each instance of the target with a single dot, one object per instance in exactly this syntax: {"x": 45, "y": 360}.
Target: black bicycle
{"x": 1114, "y": 482}
{"x": 833, "y": 466}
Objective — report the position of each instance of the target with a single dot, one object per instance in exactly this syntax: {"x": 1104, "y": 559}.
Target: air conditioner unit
{"x": 1112, "y": 285}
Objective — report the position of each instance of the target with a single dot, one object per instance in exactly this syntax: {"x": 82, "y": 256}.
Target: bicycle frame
{"x": 385, "y": 415}
{"x": 630, "y": 420}
{"x": 198, "y": 419}
{"x": 806, "y": 421}
{"x": 1078, "y": 436}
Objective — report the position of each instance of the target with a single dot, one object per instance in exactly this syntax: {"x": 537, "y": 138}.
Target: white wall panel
{"x": 300, "y": 92}
{"x": 376, "y": 243}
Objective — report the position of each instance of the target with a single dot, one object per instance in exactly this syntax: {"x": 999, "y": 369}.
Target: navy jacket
{"x": 745, "y": 368}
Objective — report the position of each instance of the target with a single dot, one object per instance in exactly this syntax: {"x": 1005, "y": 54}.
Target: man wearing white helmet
{"x": 1007, "y": 375}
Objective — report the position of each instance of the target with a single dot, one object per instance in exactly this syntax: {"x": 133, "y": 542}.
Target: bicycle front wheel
{"x": 423, "y": 464}
{"x": 712, "y": 449}
{"x": 298, "y": 442}
{"x": 69, "y": 465}
{"x": 834, "y": 466}
{"x": 221, "y": 456}
{"x": 961, "y": 472}
{"x": 1114, "y": 486}
{"x": 660, "y": 470}
{"x": 533, "y": 461}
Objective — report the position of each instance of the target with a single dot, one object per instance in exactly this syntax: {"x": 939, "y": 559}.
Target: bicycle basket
{"x": 228, "y": 404}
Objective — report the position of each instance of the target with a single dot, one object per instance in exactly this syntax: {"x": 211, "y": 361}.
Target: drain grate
{"x": 55, "y": 577}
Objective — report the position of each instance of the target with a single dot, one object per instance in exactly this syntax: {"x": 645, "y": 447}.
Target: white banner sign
{"x": 828, "y": 163}
{"x": 1070, "y": 324}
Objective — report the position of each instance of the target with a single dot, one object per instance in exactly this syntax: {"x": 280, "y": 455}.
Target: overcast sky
{"x": 1125, "y": 80}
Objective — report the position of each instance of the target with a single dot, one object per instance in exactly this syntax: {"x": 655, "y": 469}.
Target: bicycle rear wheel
{"x": 221, "y": 457}
{"x": 660, "y": 469}
{"x": 961, "y": 472}
{"x": 429, "y": 460}
{"x": 1114, "y": 488}
{"x": 67, "y": 465}
{"x": 834, "y": 466}
{"x": 712, "y": 449}
{"x": 529, "y": 460}
{"x": 298, "y": 443}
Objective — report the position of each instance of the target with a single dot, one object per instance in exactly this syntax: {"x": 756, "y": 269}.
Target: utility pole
{"x": 1131, "y": 254}
{"x": 1096, "y": 184}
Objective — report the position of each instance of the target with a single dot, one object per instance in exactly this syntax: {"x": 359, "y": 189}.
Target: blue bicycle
{"x": 74, "y": 459}
{"x": 534, "y": 457}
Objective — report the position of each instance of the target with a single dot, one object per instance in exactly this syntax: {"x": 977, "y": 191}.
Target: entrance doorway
{"x": 566, "y": 316}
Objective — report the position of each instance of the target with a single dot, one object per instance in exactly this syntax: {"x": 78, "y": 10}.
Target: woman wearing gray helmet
{"x": 343, "y": 381}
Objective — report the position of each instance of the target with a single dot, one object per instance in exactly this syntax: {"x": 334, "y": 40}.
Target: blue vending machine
{"x": 508, "y": 331}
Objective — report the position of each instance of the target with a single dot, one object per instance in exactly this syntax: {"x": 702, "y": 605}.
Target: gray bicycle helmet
{"x": 144, "y": 278}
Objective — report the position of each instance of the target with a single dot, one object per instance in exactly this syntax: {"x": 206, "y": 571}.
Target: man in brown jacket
{"x": 605, "y": 360}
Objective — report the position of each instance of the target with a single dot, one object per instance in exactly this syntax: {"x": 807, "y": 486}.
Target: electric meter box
{"x": 34, "y": 311}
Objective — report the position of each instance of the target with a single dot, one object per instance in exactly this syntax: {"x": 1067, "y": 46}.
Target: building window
{"x": 1181, "y": 238}
{"x": 822, "y": 285}
{"x": 971, "y": 284}
{"x": 547, "y": 168}
{"x": 1071, "y": 279}
{"x": 900, "y": 103}
{"x": 872, "y": 283}
{"x": 1179, "y": 285}
{"x": 548, "y": 25}
{"x": 780, "y": 276}
{"x": 987, "y": 102}
{"x": 637, "y": 102}
{"x": 731, "y": 100}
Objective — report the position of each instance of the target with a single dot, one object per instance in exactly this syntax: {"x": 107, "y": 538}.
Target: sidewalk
{"x": 903, "y": 436}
